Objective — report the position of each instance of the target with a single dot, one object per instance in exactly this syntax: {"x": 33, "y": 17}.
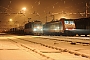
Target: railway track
{"x": 75, "y": 41}
{"x": 31, "y": 49}
{"x": 47, "y": 46}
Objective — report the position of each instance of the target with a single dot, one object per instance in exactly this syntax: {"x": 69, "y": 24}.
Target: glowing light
{"x": 24, "y": 8}
{"x": 70, "y": 29}
{"x": 34, "y": 29}
{"x": 58, "y": 27}
{"x": 41, "y": 29}
{"x": 10, "y": 20}
{"x": 66, "y": 29}
{"x": 39, "y": 3}
{"x": 63, "y": 17}
{"x": 55, "y": 29}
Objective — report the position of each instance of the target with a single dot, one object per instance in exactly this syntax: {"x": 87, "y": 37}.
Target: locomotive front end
{"x": 37, "y": 28}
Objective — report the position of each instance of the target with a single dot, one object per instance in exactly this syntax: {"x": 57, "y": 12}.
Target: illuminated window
{"x": 71, "y": 22}
{"x": 66, "y": 22}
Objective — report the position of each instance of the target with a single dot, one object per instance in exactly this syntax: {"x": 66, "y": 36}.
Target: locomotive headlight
{"x": 34, "y": 29}
{"x": 73, "y": 29}
{"x": 41, "y": 29}
{"x": 66, "y": 29}
{"x": 56, "y": 29}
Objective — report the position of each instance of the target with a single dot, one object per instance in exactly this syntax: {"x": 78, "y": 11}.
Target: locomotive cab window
{"x": 69, "y": 22}
{"x": 66, "y": 22}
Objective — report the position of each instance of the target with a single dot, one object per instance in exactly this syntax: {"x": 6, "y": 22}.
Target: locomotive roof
{"x": 66, "y": 19}
{"x": 53, "y": 21}
{"x": 33, "y": 22}
{"x": 36, "y": 21}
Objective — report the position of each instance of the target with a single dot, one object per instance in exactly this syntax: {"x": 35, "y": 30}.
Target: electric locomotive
{"x": 59, "y": 27}
{"x": 34, "y": 28}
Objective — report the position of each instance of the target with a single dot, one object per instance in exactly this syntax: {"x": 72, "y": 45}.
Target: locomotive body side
{"x": 53, "y": 28}
{"x": 59, "y": 27}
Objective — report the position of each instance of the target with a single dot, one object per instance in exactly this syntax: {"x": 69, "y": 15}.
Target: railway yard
{"x": 44, "y": 30}
{"x": 13, "y": 47}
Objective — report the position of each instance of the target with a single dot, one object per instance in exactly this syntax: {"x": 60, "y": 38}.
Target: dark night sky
{"x": 41, "y": 7}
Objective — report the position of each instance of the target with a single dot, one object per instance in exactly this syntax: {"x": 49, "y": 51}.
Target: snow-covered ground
{"x": 11, "y": 49}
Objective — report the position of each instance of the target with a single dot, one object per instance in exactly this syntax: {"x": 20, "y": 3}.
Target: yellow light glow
{"x": 63, "y": 17}
{"x": 10, "y": 20}
{"x": 24, "y": 8}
